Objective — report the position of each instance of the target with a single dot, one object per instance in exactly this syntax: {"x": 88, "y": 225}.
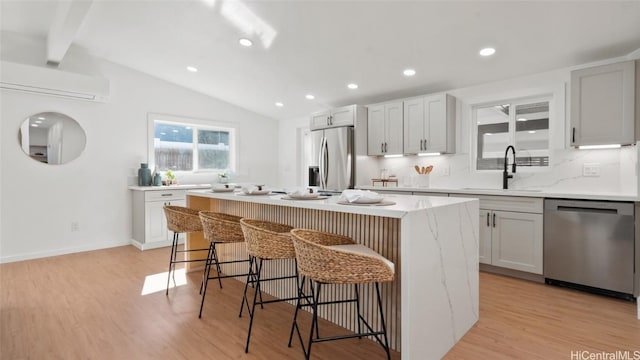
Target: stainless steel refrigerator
{"x": 333, "y": 154}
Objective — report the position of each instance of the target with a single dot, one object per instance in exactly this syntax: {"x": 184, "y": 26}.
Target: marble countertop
{"x": 170, "y": 187}
{"x": 539, "y": 193}
{"x": 403, "y": 204}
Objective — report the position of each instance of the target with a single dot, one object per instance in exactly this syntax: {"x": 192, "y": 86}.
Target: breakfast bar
{"x": 432, "y": 241}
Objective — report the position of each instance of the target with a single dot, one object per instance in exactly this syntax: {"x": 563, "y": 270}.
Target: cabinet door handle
{"x": 425, "y": 144}
{"x": 166, "y": 195}
{"x": 331, "y": 120}
{"x": 488, "y": 220}
{"x": 381, "y": 147}
{"x": 573, "y": 135}
{"x": 421, "y": 144}
{"x": 494, "y": 219}
{"x": 385, "y": 147}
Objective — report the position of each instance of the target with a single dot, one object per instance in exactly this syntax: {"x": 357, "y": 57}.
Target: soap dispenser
{"x": 157, "y": 179}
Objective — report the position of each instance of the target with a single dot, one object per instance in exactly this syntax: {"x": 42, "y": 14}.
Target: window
{"x": 190, "y": 145}
{"x": 521, "y": 123}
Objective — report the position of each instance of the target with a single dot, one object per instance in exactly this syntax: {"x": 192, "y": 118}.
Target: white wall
{"x": 618, "y": 166}
{"x": 39, "y": 201}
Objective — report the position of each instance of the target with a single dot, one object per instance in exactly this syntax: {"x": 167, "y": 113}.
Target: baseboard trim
{"x": 153, "y": 245}
{"x": 513, "y": 273}
{"x": 50, "y": 253}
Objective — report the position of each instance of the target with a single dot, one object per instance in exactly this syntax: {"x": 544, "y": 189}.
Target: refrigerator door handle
{"x": 321, "y": 163}
{"x": 325, "y": 154}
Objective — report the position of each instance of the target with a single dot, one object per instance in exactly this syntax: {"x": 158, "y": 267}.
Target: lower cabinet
{"x": 511, "y": 232}
{"x": 149, "y": 223}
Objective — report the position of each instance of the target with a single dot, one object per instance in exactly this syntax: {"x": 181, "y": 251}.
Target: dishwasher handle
{"x": 587, "y": 210}
{"x": 590, "y": 206}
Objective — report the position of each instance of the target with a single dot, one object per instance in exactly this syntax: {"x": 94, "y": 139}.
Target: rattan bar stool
{"x": 326, "y": 258}
{"x": 266, "y": 241}
{"x": 219, "y": 228}
{"x": 180, "y": 220}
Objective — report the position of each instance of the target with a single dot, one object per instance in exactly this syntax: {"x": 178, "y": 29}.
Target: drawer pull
{"x": 166, "y": 195}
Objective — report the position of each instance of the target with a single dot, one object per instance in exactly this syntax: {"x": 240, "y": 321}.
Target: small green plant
{"x": 170, "y": 175}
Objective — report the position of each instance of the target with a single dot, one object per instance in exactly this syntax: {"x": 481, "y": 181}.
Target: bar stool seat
{"x": 266, "y": 241}
{"x": 180, "y": 219}
{"x": 325, "y": 259}
{"x": 219, "y": 228}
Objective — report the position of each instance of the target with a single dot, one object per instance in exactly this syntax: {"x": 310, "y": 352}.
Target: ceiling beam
{"x": 66, "y": 22}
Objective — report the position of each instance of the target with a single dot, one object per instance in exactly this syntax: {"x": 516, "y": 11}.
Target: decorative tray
{"x": 379, "y": 203}
{"x": 289, "y": 197}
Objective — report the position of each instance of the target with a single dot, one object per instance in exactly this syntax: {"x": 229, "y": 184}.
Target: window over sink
{"x": 192, "y": 145}
{"x": 523, "y": 123}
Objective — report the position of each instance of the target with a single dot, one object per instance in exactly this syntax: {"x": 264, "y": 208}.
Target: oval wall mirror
{"x": 52, "y": 138}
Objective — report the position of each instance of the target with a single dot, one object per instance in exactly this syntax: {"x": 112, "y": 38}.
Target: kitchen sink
{"x": 494, "y": 189}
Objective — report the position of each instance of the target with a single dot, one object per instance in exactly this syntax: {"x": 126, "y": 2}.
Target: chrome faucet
{"x": 505, "y": 174}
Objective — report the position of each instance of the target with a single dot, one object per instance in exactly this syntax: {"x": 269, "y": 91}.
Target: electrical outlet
{"x": 75, "y": 226}
{"x": 445, "y": 170}
{"x": 591, "y": 169}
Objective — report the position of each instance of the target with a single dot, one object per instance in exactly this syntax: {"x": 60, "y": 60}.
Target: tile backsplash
{"x": 617, "y": 169}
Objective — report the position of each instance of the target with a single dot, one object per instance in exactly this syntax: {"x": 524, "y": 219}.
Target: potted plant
{"x": 171, "y": 177}
{"x": 223, "y": 177}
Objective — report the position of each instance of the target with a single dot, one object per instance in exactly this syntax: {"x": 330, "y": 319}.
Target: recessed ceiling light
{"x": 409, "y": 72}
{"x": 352, "y": 86}
{"x": 38, "y": 121}
{"x": 279, "y": 104}
{"x": 522, "y": 119}
{"x": 34, "y": 125}
{"x": 310, "y": 97}
{"x": 40, "y": 118}
{"x": 245, "y": 42}
{"x": 487, "y": 51}
{"x": 192, "y": 69}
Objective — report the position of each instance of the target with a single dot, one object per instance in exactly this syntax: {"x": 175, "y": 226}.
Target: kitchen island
{"x": 433, "y": 242}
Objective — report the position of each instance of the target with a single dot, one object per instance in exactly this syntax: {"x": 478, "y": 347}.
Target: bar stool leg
{"x": 253, "y": 306}
{"x": 314, "y": 323}
{"x": 359, "y": 317}
{"x": 206, "y": 267}
{"x": 172, "y": 259}
{"x": 384, "y": 325}
{"x": 207, "y": 274}
{"x": 294, "y": 324}
{"x": 217, "y": 262}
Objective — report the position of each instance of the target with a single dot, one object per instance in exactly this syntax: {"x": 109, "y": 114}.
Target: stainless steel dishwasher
{"x": 590, "y": 245}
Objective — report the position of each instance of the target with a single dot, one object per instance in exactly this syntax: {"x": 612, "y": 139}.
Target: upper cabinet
{"x": 602, "y": 105}
{"x": 385, "y": 129}
{"x": 343, "y": 116}
{"x": 429, "y": 124}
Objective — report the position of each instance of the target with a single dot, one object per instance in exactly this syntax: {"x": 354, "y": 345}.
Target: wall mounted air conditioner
{"x": 53, "y": 82}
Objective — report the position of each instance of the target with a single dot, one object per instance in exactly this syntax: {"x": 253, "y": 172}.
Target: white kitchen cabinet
{"x": 385, "y": 129}
{"x": 429, "y": 124}
{"x": 510, "y": 232}
{"x": 149, "y": 222}
{"x": 343, "y": 116}
{"x": 516, "y": 241}
{"x": 602, "y": 105}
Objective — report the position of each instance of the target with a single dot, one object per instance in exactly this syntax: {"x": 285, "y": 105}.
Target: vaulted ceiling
{"x": 318, "y": 47}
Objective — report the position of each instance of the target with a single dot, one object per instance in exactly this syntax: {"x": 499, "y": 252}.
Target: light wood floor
{"x": 91, "y": 306}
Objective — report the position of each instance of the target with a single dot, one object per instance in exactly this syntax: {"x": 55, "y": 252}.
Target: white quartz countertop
{"x": 403, "y": 204}
{"x": 596, "y": 195}
{"x": 170, "y": 187}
